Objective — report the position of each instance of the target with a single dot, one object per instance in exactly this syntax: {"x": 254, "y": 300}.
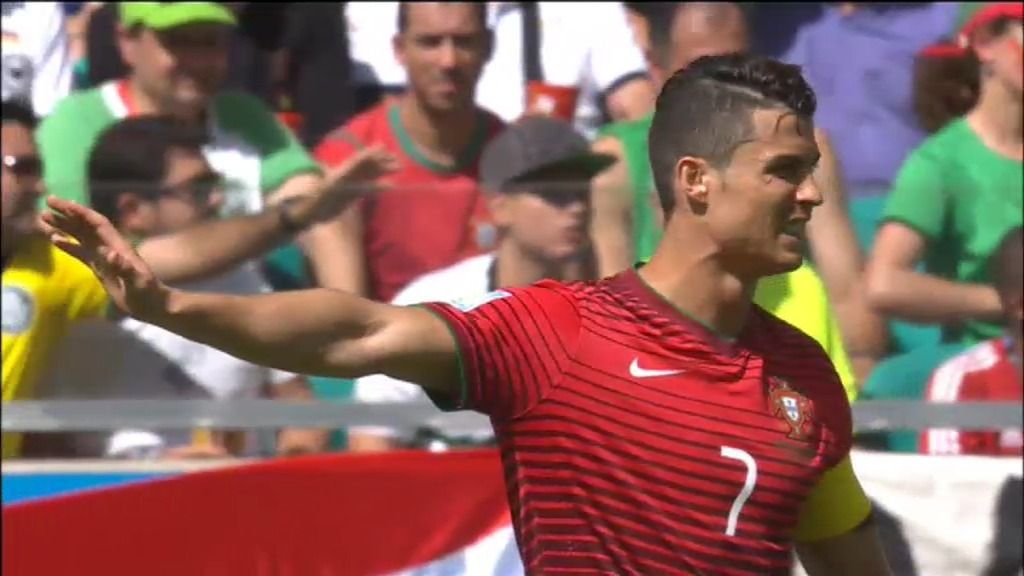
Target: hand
{"x": 360, "y": 175}
{"x": 90, "y": 237}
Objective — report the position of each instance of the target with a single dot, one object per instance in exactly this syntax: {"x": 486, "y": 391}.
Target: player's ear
{"x": 692, "y": 182}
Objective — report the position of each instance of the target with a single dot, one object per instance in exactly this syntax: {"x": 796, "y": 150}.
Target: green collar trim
{"x": 468, "y": 156}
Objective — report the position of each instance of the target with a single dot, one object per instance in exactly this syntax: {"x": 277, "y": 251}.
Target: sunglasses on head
{"x": 24, "y": 166}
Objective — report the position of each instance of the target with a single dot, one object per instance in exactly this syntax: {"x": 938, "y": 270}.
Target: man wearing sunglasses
{"x": 536, "y": 175}
{"x": 44, "y": 291}
{"x": 177, "y": 55}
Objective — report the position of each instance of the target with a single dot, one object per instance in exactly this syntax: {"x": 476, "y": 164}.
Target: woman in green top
{"x": 958, "y": 193}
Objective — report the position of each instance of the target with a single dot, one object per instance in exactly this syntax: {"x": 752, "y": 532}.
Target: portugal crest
{"x": 791, "y": 406}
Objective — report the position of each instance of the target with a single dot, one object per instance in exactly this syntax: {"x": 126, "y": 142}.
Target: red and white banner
{"x": 443, "y": 514}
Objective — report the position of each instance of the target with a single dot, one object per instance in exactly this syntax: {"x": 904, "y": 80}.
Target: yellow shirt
{"x": 799, "y": 298}
{"x": 44, "y": 290}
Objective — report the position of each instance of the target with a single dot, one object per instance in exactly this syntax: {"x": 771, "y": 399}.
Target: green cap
{"x": 164, "y": 15}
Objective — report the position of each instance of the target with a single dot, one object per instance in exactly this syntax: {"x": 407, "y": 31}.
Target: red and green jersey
{"x": 432, "y": 217}
{"x": 635, "y": 441}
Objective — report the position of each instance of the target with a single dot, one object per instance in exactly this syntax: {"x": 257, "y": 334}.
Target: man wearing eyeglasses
{"x": 45, "y": 291}
{"x": 536, "y": 175}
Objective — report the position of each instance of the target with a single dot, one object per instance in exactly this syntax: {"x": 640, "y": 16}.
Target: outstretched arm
{"x": 215, "y": 246}
{"x": 317, "y": 332}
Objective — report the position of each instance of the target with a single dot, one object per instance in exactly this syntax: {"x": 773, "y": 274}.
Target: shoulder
{"x": 792, "y": 353}
{"x": 941, "y": 146}
{"x": 626, "y": 129}
{"x": 948, "y": 380}
{"x": 462, "y": 279}
{"x": 76, "y": 107}
{"x": 360, "y": 131}
{"x": 243, "y": 113}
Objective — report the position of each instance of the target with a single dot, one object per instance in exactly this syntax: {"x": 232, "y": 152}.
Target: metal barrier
{"x": 81, "y": 415}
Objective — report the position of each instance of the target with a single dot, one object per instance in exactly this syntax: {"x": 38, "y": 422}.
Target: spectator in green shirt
{"x": 958, "y": 194}
{"x": 177, "y": 56}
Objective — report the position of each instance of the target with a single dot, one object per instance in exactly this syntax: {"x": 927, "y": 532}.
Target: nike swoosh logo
{"x": 637, "y": 372}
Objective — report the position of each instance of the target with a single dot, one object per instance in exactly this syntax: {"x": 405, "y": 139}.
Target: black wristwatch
{"x": 289, "y": 225}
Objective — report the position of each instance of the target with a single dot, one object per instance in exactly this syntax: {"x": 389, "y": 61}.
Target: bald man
{"x": 627, "y": 220}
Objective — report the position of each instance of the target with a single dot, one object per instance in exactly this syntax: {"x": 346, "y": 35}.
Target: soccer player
{"x": 654, "y": 422}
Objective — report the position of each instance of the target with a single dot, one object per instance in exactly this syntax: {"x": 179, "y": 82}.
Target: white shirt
{"x": 36, "y": 64}
{"x": 132, "y": 359}
{"x": 464, "y": 280}
{"x": 588, "y": 45}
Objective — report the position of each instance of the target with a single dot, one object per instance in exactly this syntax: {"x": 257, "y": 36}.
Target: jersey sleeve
{"x": 946, "y": 385}
{"x": 64, "y": 150}
{"x": 917, "y": 199}
{"x": 282, "y": 156}
{"x": 836, "y": 505}
{"x": 514, "y": 346}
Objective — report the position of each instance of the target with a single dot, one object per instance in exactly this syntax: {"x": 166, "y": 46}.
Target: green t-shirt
{"x": 963, "y": 198}
{"x": 249, "y": 147}
{"x": 633, "y": 136}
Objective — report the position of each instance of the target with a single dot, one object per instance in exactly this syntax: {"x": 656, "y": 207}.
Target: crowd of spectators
{"x": 411, "y": 152}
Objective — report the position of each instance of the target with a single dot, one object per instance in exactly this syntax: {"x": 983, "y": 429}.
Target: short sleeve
{"x": 946, "y": 385}
{"x": 514, "y": 346}
{"x": 65, "y": 138}
{"x": 917, "y": 199}
{"x": 836, "y": 505}
{"x": 282, "y": 157}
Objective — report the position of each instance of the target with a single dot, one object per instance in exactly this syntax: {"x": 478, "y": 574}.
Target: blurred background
{"x": 190, "y": 126}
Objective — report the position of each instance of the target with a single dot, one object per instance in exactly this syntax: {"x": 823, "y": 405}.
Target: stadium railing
{"x": 95, "y": 415}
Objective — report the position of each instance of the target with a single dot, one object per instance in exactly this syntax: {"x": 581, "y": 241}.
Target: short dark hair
{"x": 705, "y": 110}
{"x": 131, "y": 156}
{"x": 403, "y": 15}
{"x": 1007, "y": 263}
{"x": 20, "y": 113}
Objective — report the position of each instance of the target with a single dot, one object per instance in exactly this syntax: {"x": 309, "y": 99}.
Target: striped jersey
{"x": 635, "y": 441}
{"x": 984, "y": 372}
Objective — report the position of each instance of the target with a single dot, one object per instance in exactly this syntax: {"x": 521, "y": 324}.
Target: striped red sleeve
{"x": 514, "y": 345}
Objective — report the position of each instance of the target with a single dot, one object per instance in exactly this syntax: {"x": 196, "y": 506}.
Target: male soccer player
{"x": 654, "y": 422}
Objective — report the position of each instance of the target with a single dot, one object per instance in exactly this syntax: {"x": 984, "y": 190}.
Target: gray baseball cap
{"x": 534, "y": 146}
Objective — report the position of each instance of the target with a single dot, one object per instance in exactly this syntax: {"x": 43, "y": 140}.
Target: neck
{"x": 689, "y": 274}
{"x": 998, "y": 118}
{"x": 444, "y": 135}
{"x": 517, "y": 267}
{"x": 145, "y": 104}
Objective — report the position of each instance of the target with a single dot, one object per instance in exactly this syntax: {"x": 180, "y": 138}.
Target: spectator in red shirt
{"x": 990, "y": 371}
{"x": 433, "y": 214}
